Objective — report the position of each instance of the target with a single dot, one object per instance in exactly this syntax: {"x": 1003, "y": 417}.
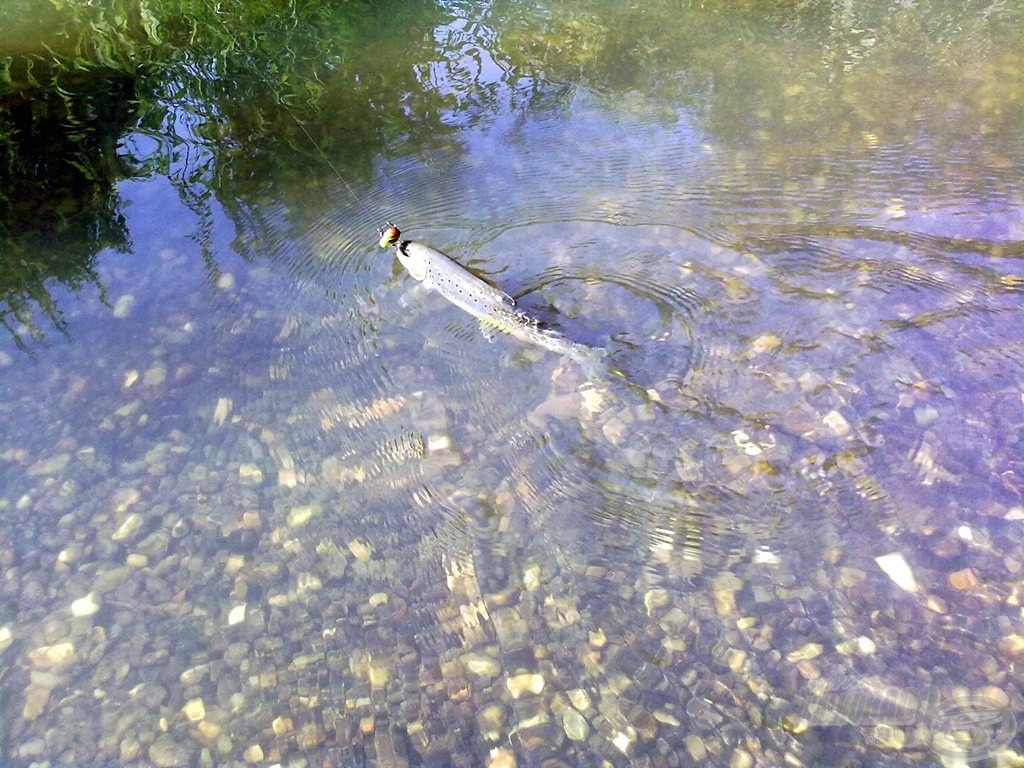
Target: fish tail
{"x": 595, "y": 362}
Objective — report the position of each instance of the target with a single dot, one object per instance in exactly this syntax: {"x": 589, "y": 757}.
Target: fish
{"x": 495, "y": 309}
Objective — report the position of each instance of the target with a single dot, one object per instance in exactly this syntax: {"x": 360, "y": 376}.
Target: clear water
{"x": 359, "y": 532}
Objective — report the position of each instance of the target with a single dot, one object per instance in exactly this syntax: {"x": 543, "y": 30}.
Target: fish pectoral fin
{"x": 413, "y": 296}
{"x": 489, "y": 329}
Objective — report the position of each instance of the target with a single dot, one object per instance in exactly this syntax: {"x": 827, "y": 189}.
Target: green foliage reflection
{"x": 236, "y": 96}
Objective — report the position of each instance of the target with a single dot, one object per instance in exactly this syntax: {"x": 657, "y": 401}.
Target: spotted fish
{"x": 495, "y": 309}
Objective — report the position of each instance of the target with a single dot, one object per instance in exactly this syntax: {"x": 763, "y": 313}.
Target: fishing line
{"x": 360, "y": 203}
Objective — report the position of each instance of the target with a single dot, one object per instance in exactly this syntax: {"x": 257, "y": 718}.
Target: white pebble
{"x": 835, "y": 421}
{"x": 359, "y": 550}
{"x": 221, "y": 412}
{"x": 236, "y": 615}
{"x": 85, "y": 606}
{"x": 622, "y": 741}
{"x": 438, "y": 443}
{"x": 896, "y": 568}
{"x": 525, "y": 683}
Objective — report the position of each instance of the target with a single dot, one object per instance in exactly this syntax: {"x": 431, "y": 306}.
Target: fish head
{"x": 389, "y": 235}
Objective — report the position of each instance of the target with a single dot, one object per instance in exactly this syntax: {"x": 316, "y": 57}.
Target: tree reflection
{"x": 58, "y": 170}
{"x": 239, "y": 97}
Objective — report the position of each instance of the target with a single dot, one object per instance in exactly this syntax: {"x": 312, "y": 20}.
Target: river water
{"x": 265, "y": 502}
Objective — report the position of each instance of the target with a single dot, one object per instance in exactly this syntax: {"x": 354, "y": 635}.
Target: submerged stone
{"x": 897, "y": 569}
{"x": 165, "y": 752}
{"x": 524, "y": 683}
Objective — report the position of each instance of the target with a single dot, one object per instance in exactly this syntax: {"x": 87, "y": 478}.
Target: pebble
{"x": 209, "y": 730}
{"x": 724, "y": 591}
{"x": 862, "y": 646}
{"x": 501, "y": 757}
{"x": 250, "y": 472}
{"x": 85, "y": 606}
{"x": 888, "y": 737}
{"x": 1012, "y": 646}
{"x": 360, "y": 551}
{"x": 809, "y": 651}
{"x": 937, "y": 605}
{"x": 835, "y": 421}
{"x": 482, "y": 665}
{"x": 194, "y": 710}
{"x": 735, "y": 659}
{"x": 165, "y": 752}
{"x": 299, "y": 516}
{"x": 379, "y": 676}
{"x": 964, "y": 580}
{"x": 490, "y": 720}
{"x": 994, "y": 696}
{"x": 129, "y": 748}
{"x": 622, "y": 742}
{"x": 531, "y": 577}
{"x": 667, "y": 718}
{"x": 6, "y": 638}
{"x": 741, "y": 759}
{"x": 51, "y": 466}
{"x": 36, "y": 698}
{"x": 614, "y": 430}
{"x": 808, "y": 669}
{"x": 128, "y": 529}
{"x": 194, "y": 675}
{"x": 592, "y": 400}
{"x": 575, "y": 725}
{"x": 696, "y": 747}
{"x": 436, "y": 443}
{"x": 236, "y": 615}
{"x": 50, "y": 656}
{"x": 655, "y": 599}
{"x": 221, "y": 411}
{"x": 253, "y": 754}
{"x": 311, "y": 736}
{"x": 226, "y": 281}
{"x": 154, "y": 375}
{"x": 897, "y": 569}
{"x": 524, "y": 683}
{"x": 580, "y": 699}
{"x": 124, "y": 498}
